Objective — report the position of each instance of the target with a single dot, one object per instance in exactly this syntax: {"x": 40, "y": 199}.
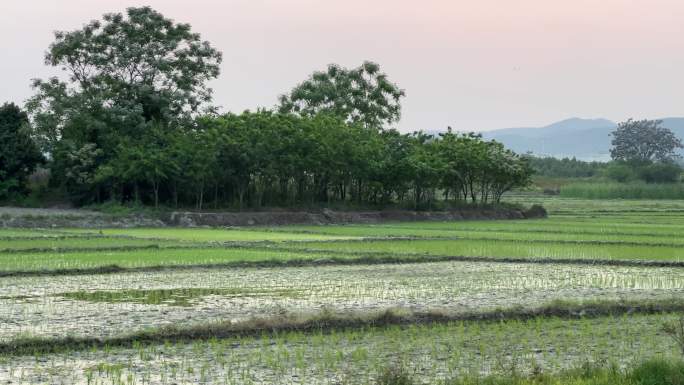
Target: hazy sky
{"x": 473, "y": 65}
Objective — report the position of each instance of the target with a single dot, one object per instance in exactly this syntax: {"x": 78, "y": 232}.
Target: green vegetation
{"x": 463, "y": 349}
{"x": 19, "y": 155}
{"x": 52, "y": 244}
{"x": 643, "y": 142}
{"x": 623, "y": 190}
{"x": 145, "y": 138}
{"x": 644, "y": 166}
{"x": 565, "y": 168}
{"x": 651, "y": 372}
{"x": 130, "y": 126}
{"x": 609, "y": 231}
{"x": 114, "y": 260}
{"x": 590, "y": 295}
{"x": 619, "y": 211}
{"x": 361, "y": 95}
{"x": 209, "y": 235}
{"x": 501, "y": 249}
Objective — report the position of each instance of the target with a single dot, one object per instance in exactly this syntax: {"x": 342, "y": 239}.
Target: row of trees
{"x": 132, "y": 121}
{"x": 566, "y": 167}
{"x": 267, "y": 158}
{"x": 618, "y": 170}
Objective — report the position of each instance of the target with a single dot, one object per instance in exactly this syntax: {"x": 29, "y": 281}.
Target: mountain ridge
{"x": 586, "y": 139}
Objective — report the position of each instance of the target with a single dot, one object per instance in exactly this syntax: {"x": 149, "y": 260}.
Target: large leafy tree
{"x": 644, "y": 141}
{"x": 149, "y": 160}
{"x": 358, "y": 95}
{"x": 126, "y": 75}
{"x": 19, "y": 155}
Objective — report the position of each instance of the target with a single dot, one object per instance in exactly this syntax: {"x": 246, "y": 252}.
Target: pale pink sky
{"x": 478, "y": 64}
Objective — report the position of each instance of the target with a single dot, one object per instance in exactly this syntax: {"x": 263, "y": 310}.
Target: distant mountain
{"x": 587, "y": 139}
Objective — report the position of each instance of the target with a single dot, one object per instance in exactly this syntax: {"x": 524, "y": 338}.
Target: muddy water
{"x": 34, "y": 306}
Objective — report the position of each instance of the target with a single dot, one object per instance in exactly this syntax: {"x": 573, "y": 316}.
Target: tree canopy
{"x": 19, "y": 155}
{"x": 126, "y": 75}
{"x": 123, "y": 72}
{"x": 132, "y": 121}
{"x": 358, "y": 95}
{"x": 644, "y": 141}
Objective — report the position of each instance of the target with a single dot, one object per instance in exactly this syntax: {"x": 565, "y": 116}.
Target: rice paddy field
{"x": 592, "y": 283}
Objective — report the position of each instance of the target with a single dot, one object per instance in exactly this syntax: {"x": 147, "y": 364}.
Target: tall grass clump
{"x": 651, "y": 372}
{"x": 614, "y": 190}
{"x": 395, "y": 375}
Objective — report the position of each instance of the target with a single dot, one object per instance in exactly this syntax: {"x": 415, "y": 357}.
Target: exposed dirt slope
{"x": 44, "y": 218}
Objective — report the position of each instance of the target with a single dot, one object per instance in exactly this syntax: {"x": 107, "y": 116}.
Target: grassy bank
{"x": 651, "y": 372}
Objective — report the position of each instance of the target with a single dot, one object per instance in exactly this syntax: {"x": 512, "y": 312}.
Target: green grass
{"x": 28, "y": 233}
{"x": 558, "y": 224}
{"x": 208, "y": 234}
{"x": 499, "y": 249}
{"x": 361, "y": 251}
{"x": 563, "y": 205}
{"x": 651, "y": 372}
{"x": 52, "y": 261}
{"x": 612, "y": 190}
{"x": 80, "y": 243}
{"x": 570, "y": 231}
{"x": 576, "y": 229}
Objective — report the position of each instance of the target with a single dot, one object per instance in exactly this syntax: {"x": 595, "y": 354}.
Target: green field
{"x": 614, "y": 190}
{"x": 472, "y": 292}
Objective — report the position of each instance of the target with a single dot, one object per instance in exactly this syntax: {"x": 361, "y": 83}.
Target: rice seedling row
{"x": 499, "y": 249}
{"x": 432, "y": 353}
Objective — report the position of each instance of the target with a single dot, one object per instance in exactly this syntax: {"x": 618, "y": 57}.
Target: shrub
{"x": 660, "y": 173}
{"x": 675, "y": 330}
{"x": 396, "y": 375}
{"x": 658, "y": 372}
{"x": 620, "y": 172}
{"x": 652, "y": 372}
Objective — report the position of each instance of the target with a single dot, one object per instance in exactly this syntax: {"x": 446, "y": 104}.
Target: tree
{"x": 19, "y": 155}
{"x": 426, "y": 166}
{"x": 644, "y": 141}
{"x": 76, "y": 167}
{"x": 127, "y": 74}
{"x": 149, "y": 160}
{"x": 395, "y": 171}
{"x": 480, "y": 170}
{"x": 660, "y": 173}
{"x": 359, "y": 95}
{"x": 504, "y": 171}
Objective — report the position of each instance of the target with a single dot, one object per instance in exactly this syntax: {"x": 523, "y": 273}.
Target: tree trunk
{"x": 155, "y": 187}
{"x": 215, "y": 196}
{"x": 175, "y": 194}
{"x": 200, "y": 196}
{"x": 241, "y": 197}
